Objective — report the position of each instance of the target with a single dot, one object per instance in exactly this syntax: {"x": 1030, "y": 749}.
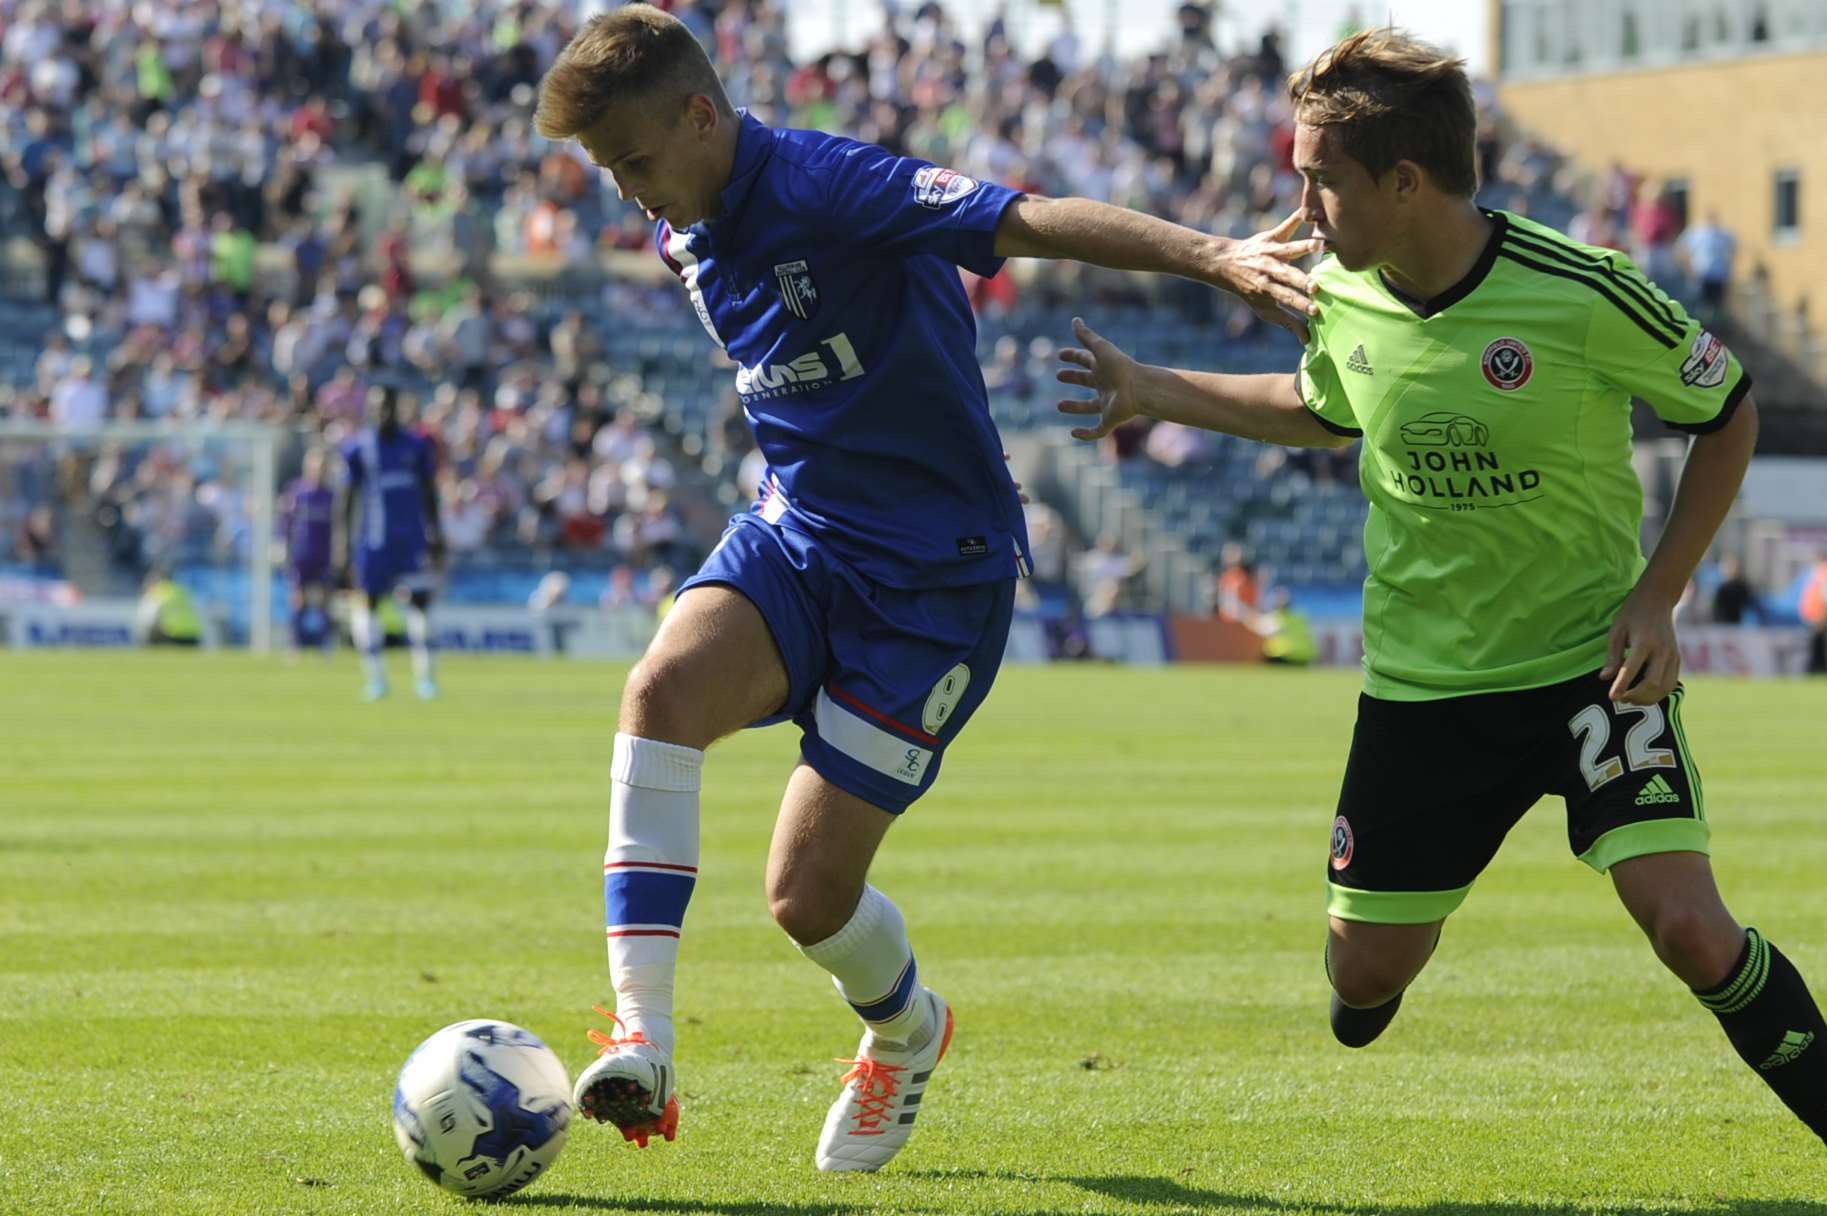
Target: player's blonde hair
{"x": 635, "y": 53}
{"x": 1392, "y": 97}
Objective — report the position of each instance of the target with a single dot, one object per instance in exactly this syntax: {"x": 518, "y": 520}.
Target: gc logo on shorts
{"x": 1341, "y": 843}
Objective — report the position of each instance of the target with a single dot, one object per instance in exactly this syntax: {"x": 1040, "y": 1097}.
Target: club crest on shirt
{"x": 935, "y": 187}
{"x": 1508, "y": 364}
{"x": 1705, "y": 365}
{"x": 797, "y": 290}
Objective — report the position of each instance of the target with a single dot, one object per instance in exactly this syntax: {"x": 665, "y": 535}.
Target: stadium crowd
{"x": 255, "y": 209}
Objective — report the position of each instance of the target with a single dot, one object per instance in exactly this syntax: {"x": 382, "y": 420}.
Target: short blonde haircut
{"x": 635, "y": 53}
{"x": 1392, "y": 97}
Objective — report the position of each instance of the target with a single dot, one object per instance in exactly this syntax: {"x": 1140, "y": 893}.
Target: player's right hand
{"x": 1102, "y": 366}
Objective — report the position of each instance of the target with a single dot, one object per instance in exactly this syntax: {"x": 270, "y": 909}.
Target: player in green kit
{"x": 1516, "y": 642}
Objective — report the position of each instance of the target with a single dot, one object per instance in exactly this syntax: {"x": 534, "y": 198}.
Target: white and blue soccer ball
{"x": 482, "y": 1107}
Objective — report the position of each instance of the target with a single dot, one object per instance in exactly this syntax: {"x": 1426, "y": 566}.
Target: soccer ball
{"x": 482, "y": 1107}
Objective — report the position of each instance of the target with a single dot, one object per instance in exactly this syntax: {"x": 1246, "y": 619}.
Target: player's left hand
{"x": 1642, "y": 660}
{"x": 1258, "y": 269}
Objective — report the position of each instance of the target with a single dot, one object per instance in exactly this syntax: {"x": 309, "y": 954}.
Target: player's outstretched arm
{"x": 1268, "y": 407}
{"x": 1083, "y": 230}
{"x": 1643, "y": 636}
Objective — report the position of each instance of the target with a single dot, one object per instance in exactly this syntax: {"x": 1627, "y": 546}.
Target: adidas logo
{"x": 1658, "y": 790}
{"x": 1794, "y": 1044}
{"x": 1359, "y": 361}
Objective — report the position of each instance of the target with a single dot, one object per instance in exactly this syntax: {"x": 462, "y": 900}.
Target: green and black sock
{"x": 1776, "y": 1028}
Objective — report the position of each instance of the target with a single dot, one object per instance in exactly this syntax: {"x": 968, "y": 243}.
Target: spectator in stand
{"x": 36, "y": 544}
{"x": 1236, "y": 592}
{"x": 1707, "y": 249}
{"x": 1733, "y": 598}
{"x": 1174, "y": 445}
{"x": 1814, "y": 615}
{"x": 1104, "y": 574}
{"x": 1654, "y": 224}
{"x": 79, "y": 401}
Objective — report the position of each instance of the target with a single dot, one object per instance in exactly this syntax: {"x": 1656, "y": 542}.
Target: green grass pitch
{"x": 232, "y": 899}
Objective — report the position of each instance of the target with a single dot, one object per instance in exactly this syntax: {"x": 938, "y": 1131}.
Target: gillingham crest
{"x": 797, "y": 290}
{"x": 1508, "y": 364}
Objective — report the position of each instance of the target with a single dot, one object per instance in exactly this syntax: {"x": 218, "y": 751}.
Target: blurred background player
{"x": 389, "y": 520}
{"x": 308, "y": 523}
{"x": 867, "y": 596}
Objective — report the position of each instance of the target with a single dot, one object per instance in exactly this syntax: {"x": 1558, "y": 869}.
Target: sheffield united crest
{"x": 797, "y": 290}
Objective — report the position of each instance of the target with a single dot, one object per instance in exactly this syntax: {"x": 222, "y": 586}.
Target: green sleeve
{"x": 1645, "y": 343}
{"x": 1318, "y": 384}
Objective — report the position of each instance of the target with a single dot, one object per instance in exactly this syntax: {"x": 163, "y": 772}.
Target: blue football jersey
{"x": 385, "y": 474}
{"x": 831, "y": 279}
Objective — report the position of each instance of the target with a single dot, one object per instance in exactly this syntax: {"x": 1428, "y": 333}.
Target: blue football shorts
{"x": 880, "y": 678}
{"x": 378, "y": 571}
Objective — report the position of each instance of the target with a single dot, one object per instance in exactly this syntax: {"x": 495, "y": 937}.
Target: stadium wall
{"x": 1727, "y": 127}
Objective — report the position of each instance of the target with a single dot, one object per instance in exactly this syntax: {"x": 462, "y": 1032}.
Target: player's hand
{"x": 1642, "y": 660}
{"x": 1104, "y": 367}
{"x": 1258, "y": 269}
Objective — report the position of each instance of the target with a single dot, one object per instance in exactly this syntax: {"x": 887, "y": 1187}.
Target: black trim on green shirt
{"x": 1335, "y": 427}
{"x": 1637, "y": 290}
{"x": 1580, "y": 276}
{"x": 1718, "y": 421}
{"x": 1424, "y": 309}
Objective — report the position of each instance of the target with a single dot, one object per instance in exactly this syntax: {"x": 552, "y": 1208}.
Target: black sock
{"x": 1776, "y": 1028}
{"x": 1355, "y": 1027}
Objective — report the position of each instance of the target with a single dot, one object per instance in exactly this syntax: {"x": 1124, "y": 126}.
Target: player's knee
{"x": 658, "y": 702}
{"x": 807, "y": 912}
{"x": 1366, "y": 981}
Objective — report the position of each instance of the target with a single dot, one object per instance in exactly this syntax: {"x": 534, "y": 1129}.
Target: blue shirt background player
{"x": 390, "y": 535}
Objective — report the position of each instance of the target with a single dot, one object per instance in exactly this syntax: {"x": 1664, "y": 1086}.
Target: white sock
{"x": 418, "y": 634}
{"x": 649, "y": 871}
{"x": 366, "y": 631}
{"x": 874, "y": 969}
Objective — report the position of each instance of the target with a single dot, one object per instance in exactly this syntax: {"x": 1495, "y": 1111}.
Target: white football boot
{"x": 874, "y": 1116}
{"x": 629, "y": 1084}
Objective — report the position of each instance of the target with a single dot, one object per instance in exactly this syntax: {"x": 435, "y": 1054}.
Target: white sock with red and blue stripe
{"x": 874, "y": 968}
{"x": 649, "y": 871}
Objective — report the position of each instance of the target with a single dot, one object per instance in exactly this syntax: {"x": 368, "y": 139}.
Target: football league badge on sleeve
{"x": 797, "y": 290}
{"x": 935, "y": 187}
{"x": 1705, "y": 365}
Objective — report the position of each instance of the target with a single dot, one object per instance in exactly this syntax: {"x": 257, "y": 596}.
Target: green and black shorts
{"x": 1432, "y": 787}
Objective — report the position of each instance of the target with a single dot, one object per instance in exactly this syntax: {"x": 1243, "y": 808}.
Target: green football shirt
{"x": 1504, "y": 508}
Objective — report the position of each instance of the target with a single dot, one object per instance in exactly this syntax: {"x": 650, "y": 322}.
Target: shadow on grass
{"x": 1145, "y": 1191}
{"x": 599, "y": 1203}
{"x": 1165, "y": 1192}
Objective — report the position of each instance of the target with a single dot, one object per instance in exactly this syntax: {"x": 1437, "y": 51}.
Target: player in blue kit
{"x": 396, "y": 544}
{"x": 307, "y": 521}
{"x": 866, "y": 597}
